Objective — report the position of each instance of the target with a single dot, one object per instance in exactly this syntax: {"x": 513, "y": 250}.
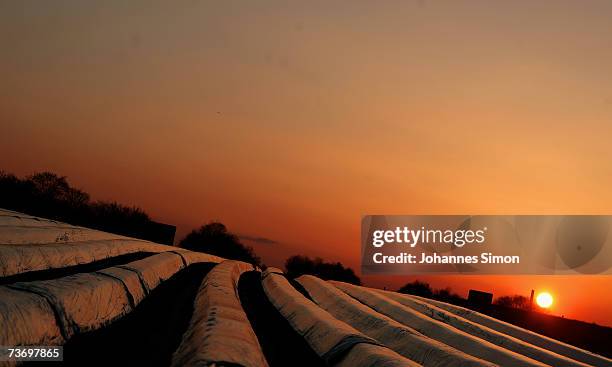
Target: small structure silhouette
{"x": 480, "y": 298}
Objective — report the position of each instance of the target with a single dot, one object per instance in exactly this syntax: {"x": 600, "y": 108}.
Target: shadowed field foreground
{"x": 115, "y": 300}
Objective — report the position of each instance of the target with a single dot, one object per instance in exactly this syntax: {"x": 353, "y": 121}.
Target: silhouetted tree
{"x": 44, "y": 194}
{"x": 213, "y": 238}
{"x": 15, "y": 194}
{"x": 116, "y": 218}
{"x": 417, "y": 288}
{"x": 447, "y": 295}
{"x": 48, "y": 195}
{"x": 299, "y": 265}
{"x": 515, "y": 301}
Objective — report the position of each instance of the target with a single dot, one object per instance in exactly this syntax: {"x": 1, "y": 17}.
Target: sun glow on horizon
{"x": 544, "y": 300}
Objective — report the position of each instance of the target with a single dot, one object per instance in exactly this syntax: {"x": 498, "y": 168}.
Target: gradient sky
{"x": 290, "y": 120}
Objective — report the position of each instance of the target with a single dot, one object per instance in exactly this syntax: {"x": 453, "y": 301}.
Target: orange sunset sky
{"x": 288, "y": 120}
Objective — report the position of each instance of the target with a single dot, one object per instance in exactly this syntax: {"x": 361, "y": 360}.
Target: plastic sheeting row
{"x": 517, "y": 332}
{"x": 437, "y": 330}
{"x": 219, "y": 332}
{"x": 336, "y": 342}
{"x": 402, "y": 339}
{"x": 484, "y": 341}
{"x": 49, "y": 312}
{"x": 486, "y": 333}
{"x": 32, "y": 244}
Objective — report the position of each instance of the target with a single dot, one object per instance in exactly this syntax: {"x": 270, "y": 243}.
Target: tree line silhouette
{"x": 299, "y": 265}
{"x": 48, "y": 195}
{"x": 214, "y": 238}
{"x": 514, "y": 301}
{"x": 423, "y": 289}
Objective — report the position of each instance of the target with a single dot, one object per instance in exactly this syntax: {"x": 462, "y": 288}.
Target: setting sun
{"x": 544, "y": 300}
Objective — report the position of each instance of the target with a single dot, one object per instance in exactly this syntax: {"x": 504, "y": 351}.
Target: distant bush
{"x": 213, "y": 238}
{"x": 48, "y": 195}
{"x": 299, "y": 265}
{"x": 43, "y": 194}
{"x": 423, "y": 289}
{"x": 515, "y": 301}
{"x": 447, "y": 295}
{"x": 417, "y": 288}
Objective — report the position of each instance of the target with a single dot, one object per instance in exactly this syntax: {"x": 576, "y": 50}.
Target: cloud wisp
{"x": 258, "y": 240}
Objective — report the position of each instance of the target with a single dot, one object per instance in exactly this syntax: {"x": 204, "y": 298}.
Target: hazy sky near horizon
{"x": 290, "y": 120}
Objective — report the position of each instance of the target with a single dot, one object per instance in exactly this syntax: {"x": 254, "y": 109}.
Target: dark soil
{"x": 146, "y": 336}
{"x": 75, "y": 269}
{"x": 281, "y": 344}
